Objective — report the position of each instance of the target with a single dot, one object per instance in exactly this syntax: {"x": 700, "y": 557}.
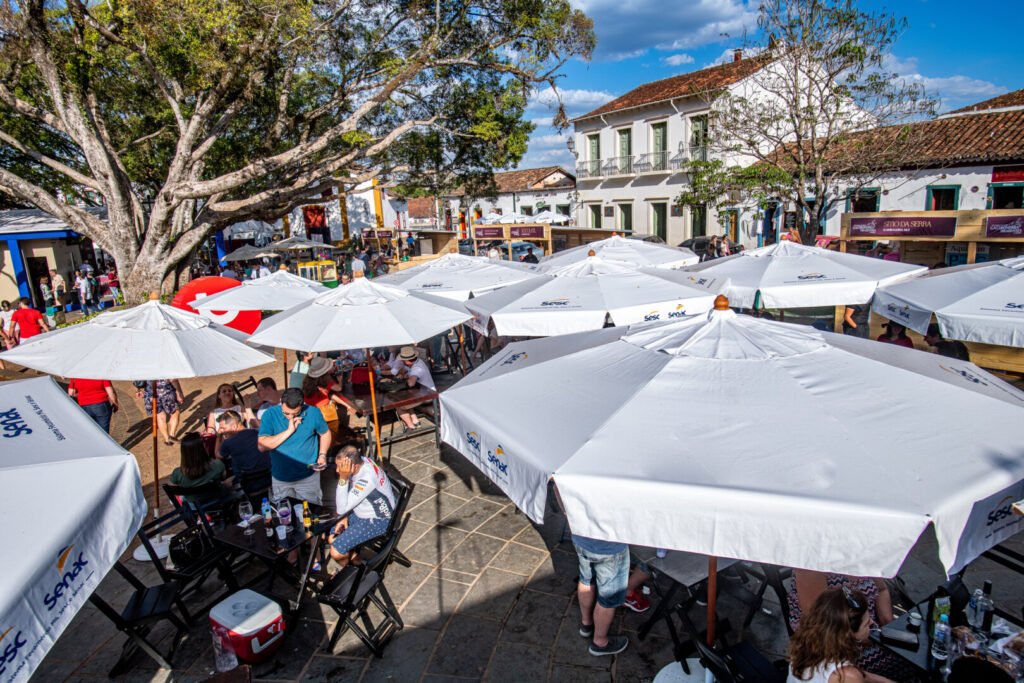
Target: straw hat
{"x": 408, "y": 353}
{"x": 319, "y": 366}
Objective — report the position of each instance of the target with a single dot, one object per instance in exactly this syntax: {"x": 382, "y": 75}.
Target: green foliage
{"x": 717, "y": 186}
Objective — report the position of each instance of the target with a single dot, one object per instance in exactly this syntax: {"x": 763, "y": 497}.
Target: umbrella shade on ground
{"x": 616, "y": 248}
{"x": 737, "y": 437}
{"x": 276, "y": 292}
{"x": 73, "y": 502}
{"x": 458, "y": 277}
{"x": 981, "y": 302}
{"x": 791, "y": 275}
{"x": 584, "y": 295}
{"x": 147, "y": 342}
{"x": 359, "y": 315}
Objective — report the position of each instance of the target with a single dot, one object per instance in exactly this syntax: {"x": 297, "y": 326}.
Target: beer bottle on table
{"x": 268, "y": 517}
{"x": 307, "y": 520}
{"x": 986, "y": 608}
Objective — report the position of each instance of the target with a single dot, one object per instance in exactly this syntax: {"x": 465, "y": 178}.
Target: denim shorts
{"x": 611, "y": 573}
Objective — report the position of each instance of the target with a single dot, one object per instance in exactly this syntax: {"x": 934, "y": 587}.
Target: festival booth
{"x": 60, "y": 537}
{"x": 537, "y": 233}
{"x": 953, "y": 238}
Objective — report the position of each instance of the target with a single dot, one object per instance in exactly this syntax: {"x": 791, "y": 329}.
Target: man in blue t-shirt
{"x": 298, "y": 439}
{"x": 239, "y": 448}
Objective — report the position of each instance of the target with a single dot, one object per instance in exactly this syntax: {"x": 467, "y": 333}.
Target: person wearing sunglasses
{"x": 831, "y": 636}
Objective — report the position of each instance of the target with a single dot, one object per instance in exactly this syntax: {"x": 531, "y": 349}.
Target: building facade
{"x": 527, "y": 191}
{"x": 31, "y": 244}
{"x": 631, "y": 153}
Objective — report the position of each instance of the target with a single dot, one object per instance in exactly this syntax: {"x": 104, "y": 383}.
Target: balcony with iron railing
{"x": 652, "y": 162}
{"x": 617, "y": 166}
{"x": 588, "y": 169}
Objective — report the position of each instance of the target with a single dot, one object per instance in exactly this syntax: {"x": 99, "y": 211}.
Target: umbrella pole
{"x": 373, "y": 404}
{"x": 712, "y": 597}
{"x": 462, "y": 350}
{"x": 284, "y": 367}
{"x": 156, "y": 460}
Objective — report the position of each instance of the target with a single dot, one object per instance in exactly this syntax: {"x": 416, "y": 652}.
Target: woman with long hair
{"x": 226, "y": 399}
{"x": 197, "y": 468}
{"x": 831, "y": 635}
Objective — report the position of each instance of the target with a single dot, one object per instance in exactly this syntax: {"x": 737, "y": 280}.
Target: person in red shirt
{"x": 29, "y": 321}
{"x": 97, "y": 398}
{"x": 896, "y": 334}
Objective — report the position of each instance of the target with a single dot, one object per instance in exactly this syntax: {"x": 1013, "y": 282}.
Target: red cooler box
{"x": 254, "y": 623}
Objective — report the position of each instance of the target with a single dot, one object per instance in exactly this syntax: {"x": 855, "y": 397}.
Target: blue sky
{"x": 962, "y": 53}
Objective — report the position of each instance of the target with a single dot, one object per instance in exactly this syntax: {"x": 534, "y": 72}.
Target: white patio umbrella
{"x": 981, "y": 302}
{"x": 73, "y": 502}
{"x": 616, "y": 248}
{"x": 144, "y": 343}
{"x": 247, "y": 252}
{"x": 297, "y": 244}
{"x": 361, "y": 315}
{"x": 945, "y": 442}
{"x": 492, "y": 217}
{"x": 791, "y": 275}
{"x": 458, "y": 277}
{"x": 278, "y": 292}
{"x": 548, "y": 216}
{"x": 583, "y": 296}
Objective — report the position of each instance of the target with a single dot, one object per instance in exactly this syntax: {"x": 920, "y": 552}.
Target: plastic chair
{"x": 351, "y": 592}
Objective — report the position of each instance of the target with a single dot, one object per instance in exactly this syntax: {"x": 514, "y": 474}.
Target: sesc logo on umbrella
{"x": 515, "y": 357}
{"x": 899, "y": 311}
{"x": 679, "y": 312}
{"x": 966, "y": 374}
{"x": 11, "y": 645}
{"x": 564, "y": 301}
{"x": 652, "y": 316}
{"x": 1001, "y": 511}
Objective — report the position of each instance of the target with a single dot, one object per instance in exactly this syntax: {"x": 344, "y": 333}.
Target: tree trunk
{"x": 144, "y": 276}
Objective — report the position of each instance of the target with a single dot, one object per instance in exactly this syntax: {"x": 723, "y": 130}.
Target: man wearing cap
{"x": 416, "y": 373}
{"x": 298, "y": 439}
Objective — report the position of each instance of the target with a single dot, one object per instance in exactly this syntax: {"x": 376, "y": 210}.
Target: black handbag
{"x": 188, "y": 547}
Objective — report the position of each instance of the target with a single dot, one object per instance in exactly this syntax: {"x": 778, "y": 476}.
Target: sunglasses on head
{"x": 850, "y": 600}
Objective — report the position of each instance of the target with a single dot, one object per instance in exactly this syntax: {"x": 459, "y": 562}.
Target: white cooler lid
{"x": 245, "y": 612}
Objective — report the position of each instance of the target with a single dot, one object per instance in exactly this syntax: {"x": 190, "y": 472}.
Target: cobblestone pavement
{"x": 488, "y": 597}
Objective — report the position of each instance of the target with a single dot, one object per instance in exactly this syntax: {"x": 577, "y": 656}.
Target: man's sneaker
{"x": 586, "y": 630}
{"x": 636, "y": 601}
{"x": 616, "y": 644}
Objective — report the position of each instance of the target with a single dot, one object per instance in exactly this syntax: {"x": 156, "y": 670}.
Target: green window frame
{"x": 928, "y": 196}
{"x": 595, "y": 215}
{"x": 626, "y": 217}
{"x": 852, "y": 191}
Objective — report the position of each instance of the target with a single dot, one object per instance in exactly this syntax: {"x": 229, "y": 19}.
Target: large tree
{"x": 184, "y": 116}
{"x": 823, "y": 117}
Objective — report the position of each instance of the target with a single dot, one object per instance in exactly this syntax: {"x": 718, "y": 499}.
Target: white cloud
{"x": 952, "y": 92}
{"x": 572, "y": 99}
{"x": 548, "y": 157}
{"x": 678, "y": 60}
{"x": 627, "y": 29}
{"x": 551, "y": 140}
{"x": 542, "y": 121}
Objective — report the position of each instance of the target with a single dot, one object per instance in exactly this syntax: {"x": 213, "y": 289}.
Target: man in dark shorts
{"x": 366, "y": 499}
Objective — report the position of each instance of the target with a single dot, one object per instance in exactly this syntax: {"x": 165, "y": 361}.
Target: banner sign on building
{"x": 487, "y": 233}
{"x": 527, "y": 232}
{"x": 378, "y": 234}
{"x": 903, "y": 226}
{"x": 1004, "y": 226}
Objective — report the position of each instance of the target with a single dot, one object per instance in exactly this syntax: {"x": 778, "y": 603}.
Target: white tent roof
{"x": 276, "y": 292}
{"x": 361, "y": 314}
{"x": 871, "y": 443}
{"x": 72, "y": 502}
{"x": 982, "y": 302}
{"x": 151, "y": 341}
{"x": 582, "y": 295}
{"x": 616, "y": 248}
{"x": 455, "y": 276}
{"x": 791, "y": 275}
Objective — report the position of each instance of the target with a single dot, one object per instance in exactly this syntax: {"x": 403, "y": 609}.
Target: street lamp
{"x": 574, "y": 198}
{"x": 571, "y": 144}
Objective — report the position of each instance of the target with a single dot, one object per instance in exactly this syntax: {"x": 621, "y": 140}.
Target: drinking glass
{"x": 245, "y": 513}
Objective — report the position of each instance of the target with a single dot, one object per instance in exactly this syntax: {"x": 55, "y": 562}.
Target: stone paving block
{"x": 518, "y": 662}
{"x": 303, "y": 639}
{"x": 532, "y": 537}
{"x": 437, "y": 507}
{"x": 534, "y": 619}
{"x": 571, "y": 648}
{"x": 465, "y": 646}
{"x": 414, "y": 530}
{"x": 457, "y": 576}
{"x": 474, "y": 553}
{"x": 473, "y": 514}
{"x": 519, "y": 559}
{"x": 435, "y": 545}
{"x": 421, "y": 474}
{"x": 438, "y": 678}
{"x": 493, "y": 594}
{"x": 402, "y": 582}
{"x": 405, "y": 657}
{"x": 641, "y": 661}
{"x": 563, "y": 673}
{"x": 505, "y": 524}
{"x": 329, "y": 669}
{"x": 433, "y": 603}
{"x": 558, "y": 574}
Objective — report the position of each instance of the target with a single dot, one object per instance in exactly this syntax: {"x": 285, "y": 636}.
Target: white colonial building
{"x": 527, "y": 191}
{"x": 630, "y": 153}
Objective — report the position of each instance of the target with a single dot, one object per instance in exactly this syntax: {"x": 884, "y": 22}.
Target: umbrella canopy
{"x": 459, "y": 277}
{"x": 73, "y": 502}
{"x": 276, "y": 292}
{"x": 618, "y": 248}
{"x": 359, "y": 315}
{"x": 791, "y": 275}
{"x": 982, "y": 302}
{"x": 248, "y": 252}
{"x": 870, "y": 447}
{"x": 151, "y": 341}
{"x": 548, "y": 216}
{"x": 582, "y": 296}
{"x": 297, "y": 243}
{"x": 492, "y": 217}
{"x": 250, "y": 230}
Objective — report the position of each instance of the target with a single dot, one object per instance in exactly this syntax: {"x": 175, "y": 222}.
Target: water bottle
{"x": 940, "y": 639}
{"x": 986, "y": 608}
{"x": 974, "y": 614}
{"x": 268, "y": 516}
{"x": 224, "y": 658}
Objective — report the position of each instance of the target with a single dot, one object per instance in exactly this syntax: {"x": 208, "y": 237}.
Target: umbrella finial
{"x": 721, "y": 303}
{"x": 453, "y": 250}
{"x": 591, "y": 253}
{"x": 357, "y": 273}
{"x": 282, "y": 267}
{"x": 615, "y": 233}
{"x": 154, "y": 296}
